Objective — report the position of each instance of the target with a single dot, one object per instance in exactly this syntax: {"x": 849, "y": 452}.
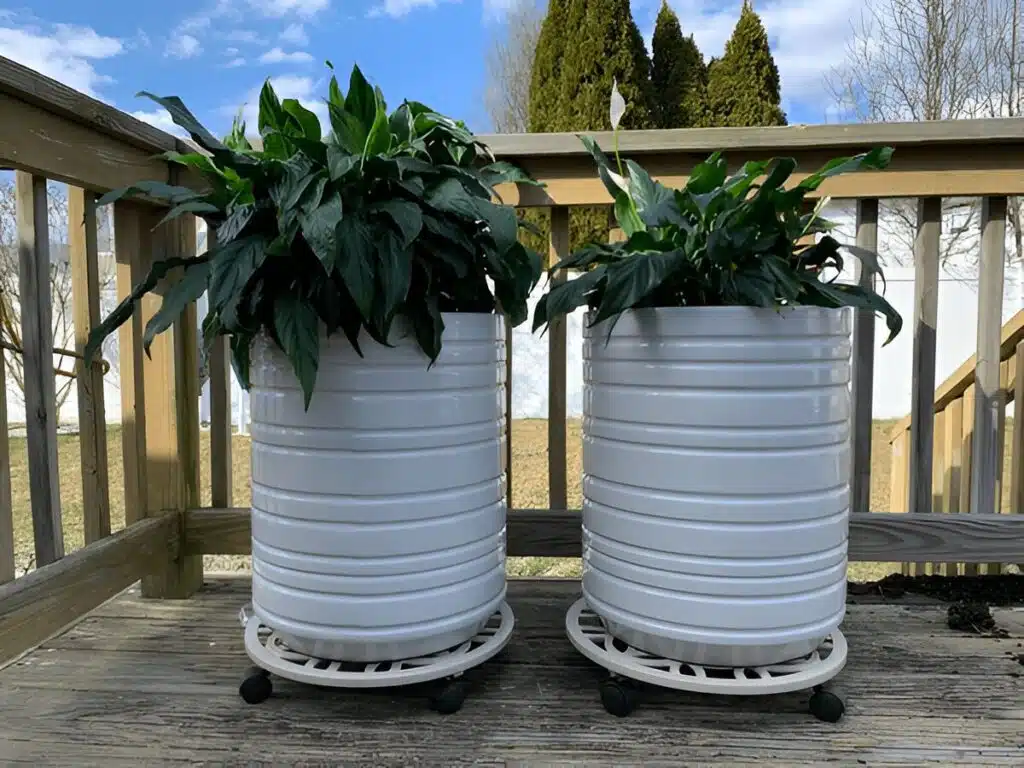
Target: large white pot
{"x": 378, "y": 516}
{"x": 716, "y": 465}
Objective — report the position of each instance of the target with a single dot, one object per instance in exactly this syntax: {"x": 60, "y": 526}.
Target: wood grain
{"x": 926, "y": 307}
{"x": 967, "y": 451}
{"x": 919, "y": 695}
{"x": 6, "y": 505}
{"x": 987, "y": 399}
{"x": 171, "y": 381}
{"x": 40, "y": 388}
{"x": 558, "y": 485}
{"x": 92, "y": 418}
{"x": 49, "y": 598}
{"x": 132, "y": 239}
{"x": 875, "y": 536}
{"x": 863, "y": 364}
{"x": 221, "y": 478}
{"x": 952, "y": 450}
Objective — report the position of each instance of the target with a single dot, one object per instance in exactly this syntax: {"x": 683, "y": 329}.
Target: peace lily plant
{"x": 389, "y": 217}
{"x": 716, "y": 443}
{"x": 721, "y": 240}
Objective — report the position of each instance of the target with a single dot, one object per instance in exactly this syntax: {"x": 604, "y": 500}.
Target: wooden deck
{"x": 149, "y": 682}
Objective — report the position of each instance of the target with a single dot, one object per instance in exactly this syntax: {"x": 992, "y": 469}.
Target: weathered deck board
{"x": 916, "y": 693}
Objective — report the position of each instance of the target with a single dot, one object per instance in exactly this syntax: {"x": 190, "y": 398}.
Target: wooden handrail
{"x": 963, "y": 377}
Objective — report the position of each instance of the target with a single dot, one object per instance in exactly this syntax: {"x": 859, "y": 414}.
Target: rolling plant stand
{"x": 271, "y": 655}
{"x": 630, "y": 667}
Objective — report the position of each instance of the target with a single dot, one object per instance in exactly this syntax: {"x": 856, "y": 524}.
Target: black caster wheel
{"x": 618, "y": 696}
{"x": 826, "y": 706}
{"x": 256, "y": 688}
{"x": 450, "y": 698}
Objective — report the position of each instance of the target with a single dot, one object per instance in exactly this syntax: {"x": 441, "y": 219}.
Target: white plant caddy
{"x": 587, "y": 632}
{"x": 271, "y": 655}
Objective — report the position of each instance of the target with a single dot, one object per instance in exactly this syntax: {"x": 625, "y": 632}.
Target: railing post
{"x": 221, "y": 478}
{"x": 92, "y": 419}
{"x": 167, "y": 387}
{"x": 952, "y": 450}
{"x": 40, "y": 390}
{"x": 863, "y": 366}
{"x": 926, "y": 310}
{"x": 987, "y": 397}
{"x": 557, "y": 470}
{"x": 6, "y": 506}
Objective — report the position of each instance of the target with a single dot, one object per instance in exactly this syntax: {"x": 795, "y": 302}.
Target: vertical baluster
{"x": 557, "y": 471}
{"x": 40, "y": 389}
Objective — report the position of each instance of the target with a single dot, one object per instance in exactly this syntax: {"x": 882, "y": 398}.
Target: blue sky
{"x": 216, "y": 53}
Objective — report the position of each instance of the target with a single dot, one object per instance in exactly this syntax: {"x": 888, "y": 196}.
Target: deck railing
{"x": 52, "y": 132}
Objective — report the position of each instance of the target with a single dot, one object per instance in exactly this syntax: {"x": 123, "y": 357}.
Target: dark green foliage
{"x": 679, "y": 78}
{"x": 585, "y": 46}
{"x": 545, "y": 78}
{"x": 606, "y": 46}
{"x": 720, "y": 241}
{"x": 388, "y": 218}
{"x": 743, "y": 86}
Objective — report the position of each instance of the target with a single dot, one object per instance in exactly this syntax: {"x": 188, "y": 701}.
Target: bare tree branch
{"x": 934, "y": 60}
{"x": 509, "y": 63}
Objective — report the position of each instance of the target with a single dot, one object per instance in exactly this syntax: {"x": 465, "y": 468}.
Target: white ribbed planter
{"x": 716, "y": 465}
{"x": 378, "y": 516}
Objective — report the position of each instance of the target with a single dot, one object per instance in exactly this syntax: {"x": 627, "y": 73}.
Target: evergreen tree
{"x": 678, "y": 76}
{"x": 743, "y": 86}
{"x": 547, "y": 68}
{"x": 606, "y": 47}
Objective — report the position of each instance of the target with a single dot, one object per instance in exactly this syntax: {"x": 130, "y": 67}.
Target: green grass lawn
{"x": 529, "y": 470}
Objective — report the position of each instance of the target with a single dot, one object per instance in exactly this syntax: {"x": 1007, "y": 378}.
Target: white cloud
{"x": 280, "y": 8}
{"x": 236, "y": 62}
{"x": 244, "y": 36}
{"x": 295, "y": 34}
{"x": 160, "y": 119}
{"x": 183, "y": 47}
{"x": 300, "y": 87}
{"x": 396, "y": 9}
{"x": 65, "y": 53}
{"x": 278, "y": 55}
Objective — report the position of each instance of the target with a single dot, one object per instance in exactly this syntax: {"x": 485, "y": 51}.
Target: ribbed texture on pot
{"x": 378, "y": 516}
{"x": 716, "y": 465}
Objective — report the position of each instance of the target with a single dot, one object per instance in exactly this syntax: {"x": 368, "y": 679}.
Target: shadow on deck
{"x": 148, "y": 682}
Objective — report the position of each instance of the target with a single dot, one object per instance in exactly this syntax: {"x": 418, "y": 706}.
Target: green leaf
{"x": 334, "y": 94}
{"x": 192, "y": 206}
{"x": 378, "y": 141}
{"x": 232, "y": 266}
{"x": 842, "y": 295}
{"x": 349, "y": 133}
{"x": 654, "y": 202}
{"x": 401, "y": 124}
{"x": 123, "y": 311}
{"x": 357, "y": 262}
{"x": 361, "y": 101}
{"x": 297, "y": 328}
{"x": 876, "y": 159}
{"x": 319, "y": 229}
{"x": 406, "y": 216}
{"x": 394, "y": 275}
{"x": 235, "y": 223}
{"x": 307, "y": 120}
{"x": 506, "y": 173}
{"x": 428, "y": 326}
{"x": 184, "y": 119}
{"x": 156, "y": 189}
{"x": 564, "y": 298}
{"x": 241, "y": 344}
{"x": 632, "y": 279}
{"x": 627, "y": 217}
{"x": 340, "y": 162}
{"x": 272, "y": 114}
{"x": 187, "y": 290}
